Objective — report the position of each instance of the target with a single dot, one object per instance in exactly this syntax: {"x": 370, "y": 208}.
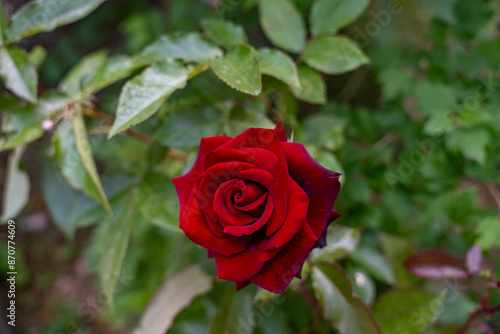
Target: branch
{"x": 110, "y": 120}
{"x": 495, "y": 193}
{"x": 482, "y": 311}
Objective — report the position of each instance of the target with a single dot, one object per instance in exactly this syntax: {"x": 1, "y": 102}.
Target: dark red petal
{"x": 211, "y": 179}
{"x": 298, "y": 203}
{"x": 251, "y": 228}
{"x": 241, "y": 285}
{"x": 256, "y": 208}
{"x": 240, "y": 267}
{"x": 277, "y": 273}
{"x": 225, "y": 154}
{"x": 322, "y": 238}
{"x": 280, "y": 131}
{"x": 210, "y": 254}
{"x": 269, "y": 162}
{"x": 225, "y": 209}
{"x": 228, "y": 195}
{"x": 251, "y": 192}
{"x": 194, "y": 224}
{"x": 320, "y": 184}
{"x": 184, "y": 184}
{"x": 259, "y": 138}
{"x": 277, "y": 195}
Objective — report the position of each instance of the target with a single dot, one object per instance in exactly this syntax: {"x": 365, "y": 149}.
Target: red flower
{"x": 258, "y": 204}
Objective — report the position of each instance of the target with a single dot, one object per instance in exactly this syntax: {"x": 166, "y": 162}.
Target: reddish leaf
{"x": 434, "y": 264}
{"x": 474, "y": 259}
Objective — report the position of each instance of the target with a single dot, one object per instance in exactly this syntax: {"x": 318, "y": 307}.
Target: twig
{"x": 385, "y": 140}
{"x": 482, "y": 311}
{"x": 495, "y": 193}
{"x": 110, "y": 120}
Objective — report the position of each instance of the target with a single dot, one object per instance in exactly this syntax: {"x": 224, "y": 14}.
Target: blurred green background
{"x": 415, "y": 133}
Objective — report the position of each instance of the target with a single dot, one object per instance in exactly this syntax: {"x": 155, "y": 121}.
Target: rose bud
{"x": 259, "y": 204}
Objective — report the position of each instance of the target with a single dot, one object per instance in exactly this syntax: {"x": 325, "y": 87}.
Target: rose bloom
{"x": 259, "y": 204}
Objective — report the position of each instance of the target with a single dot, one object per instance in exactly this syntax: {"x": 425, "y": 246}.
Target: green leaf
{"x": 96, "y": 71}
{"x": 346, "y": 312}
{"x": 114, "y": 254}
{"x": 18, "y": 74}
{"x": 283, "y": 24}
{"x": 83, "y": 147}
{"x": 234, "y": 315}
{"x": 66, "y": 205}
{"x": 144, "y": 94}
{"x": 223, "y": 32}
{"x": 340, "y": 241}
{"x": 279, "y": 65}
{"x": 17, "y": 187}
{"x": 408, "y": 311}
{"x": 328, "y": 16}
{"x": 435, "y": 98}
{"x": 397, "y": 250}
{"x": 395, "y": 82}
{"x": 23, "y": 124}
{"x": 186, "y": 126}
{"x": 71, "y": 208}
{"x": 471, "y": 143}
{"x": 37, "y": 56}
{"x": 374, "y": 263}
{"x": 3, "y": 23}
{"x": 176, "y": 293}
{"x": 115, "y": 68}
{"x": 239, "y": 69}
{"x": 241, "y": 119}
{"x": 363, "y": 285}
{"x": 312, "y": 86}
{"x": 46, "y": 15}
{"x": 488, "y": 232}
{"x": 334, "y": 55}
{"x": 69, "y": 160}
{"x": 185, "y": 46}
{"x": 157, "y": 201}
{"x": 74, "y": 82}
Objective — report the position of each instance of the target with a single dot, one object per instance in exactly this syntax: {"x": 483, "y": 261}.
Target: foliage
{"x": 405, "y": 105}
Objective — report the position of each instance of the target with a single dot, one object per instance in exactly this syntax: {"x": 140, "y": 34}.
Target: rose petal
{"x": 252, "y": 228}
{"x": 280, "y": 131}
{"x": 240, "y": 267}
{"x": 226, "y": 154}
{"x": 241, "y": 285}
{"x": 224, "y": 214}
{"x": 251, "y": 192}
{"x": 195, "y": 226}
{"x": 322, "y": 238}
{"x": 320, "y": 184}
{"x": 259, "y": 138}
{"x": 277, "y": 194}
{"x": 298, "y": 202}
{"x": 227, "y": 197}
{"x": 256, "y": 208}
{"x": 210, "y": 180}
{"x": 269, "y": 162}
{"x": 184, "y": 184}
{"x": 278, "y": 272}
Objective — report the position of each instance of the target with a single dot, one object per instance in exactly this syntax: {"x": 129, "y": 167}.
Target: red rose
{"x": 258, "y": 204}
